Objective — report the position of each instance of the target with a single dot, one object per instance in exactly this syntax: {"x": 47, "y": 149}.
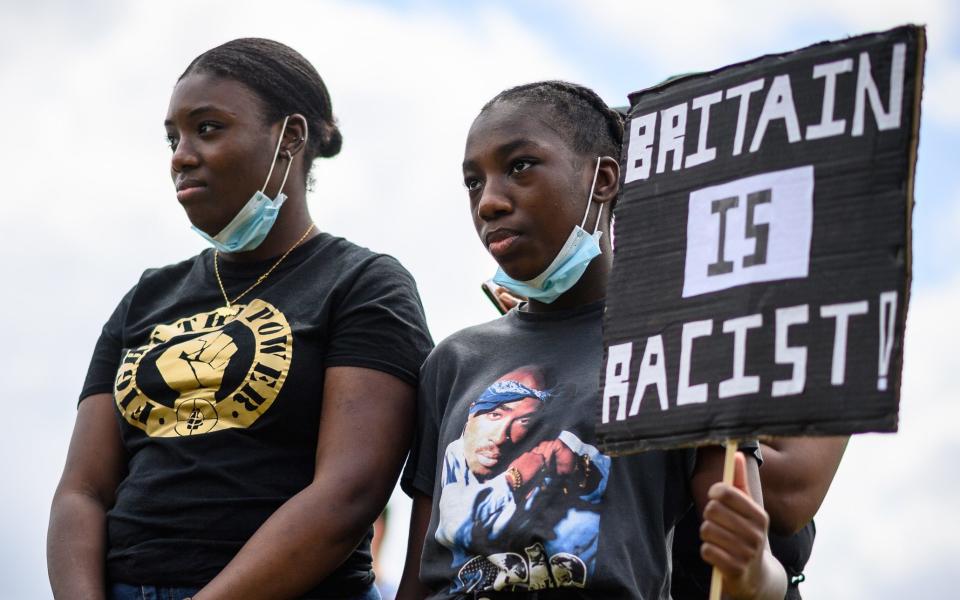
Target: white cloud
{"x": 890, "y": 518}
{"x": 703, "y": 34}
{"x": 942, "y": 93}
{"x": 699, "y": 35}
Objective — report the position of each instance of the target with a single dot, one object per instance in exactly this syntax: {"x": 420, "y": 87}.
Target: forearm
{"x": 304, "y": 541}
{"x": 76, "y": 547}
{"x": 787, "y": 499}
{"x": 772, "y": 585}
{"x": 77, "y": 535}
{"x": 365, "y": 429}
{"x": 775, "y": 578}
{"x": 411, "y": 588}
{"x": 796, "y": 474}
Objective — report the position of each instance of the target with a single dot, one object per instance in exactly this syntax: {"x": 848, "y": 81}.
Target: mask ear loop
{"x": 306, "y": 136}
{"x": 593, "y": 185}
{"x": 276, "y": 153}
{"x": 286, "y": 173}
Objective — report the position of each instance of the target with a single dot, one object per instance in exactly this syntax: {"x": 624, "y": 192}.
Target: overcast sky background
{"x": 89, "y": 205}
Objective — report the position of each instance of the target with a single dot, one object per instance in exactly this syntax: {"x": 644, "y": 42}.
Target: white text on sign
{"x": 778, "y": 105}
{"x": 753, "y": 229}
{"x": 619, "y": 403}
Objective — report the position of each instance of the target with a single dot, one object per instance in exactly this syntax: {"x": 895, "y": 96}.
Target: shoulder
{"x": 155, "y": 286}
{"x": 353, "y": 262}
{"x": 471, "y": 343}
{"x": 168, "y": 279}
{"x": 176, "y": 271}
{"x": 357, "y": 256}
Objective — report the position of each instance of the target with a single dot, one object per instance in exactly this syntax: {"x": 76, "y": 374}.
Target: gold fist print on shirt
{"x": 209, "y": 372}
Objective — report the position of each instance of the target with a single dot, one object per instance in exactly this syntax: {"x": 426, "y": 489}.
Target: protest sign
{"x": 762, "y": 264}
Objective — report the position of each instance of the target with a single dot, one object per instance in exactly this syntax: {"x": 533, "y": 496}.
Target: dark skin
{"x": 76, "y": 538}
{"x": 527, "y": 190}
{"x": 222, "y": 144}
{"x": 494, "y": 194}
{"x": 227, "y": 147}
{"x": 411, "y": 588}
{"x": 796, "y": 474}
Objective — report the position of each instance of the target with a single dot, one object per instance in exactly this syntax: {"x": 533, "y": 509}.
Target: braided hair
{"x": 595, "y": 129}
{"x": 285, "y": 82}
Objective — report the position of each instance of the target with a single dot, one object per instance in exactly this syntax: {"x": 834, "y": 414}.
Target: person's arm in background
{"x": 734, "y": 529}
{"x": 76, "y": 539}
{"x": 796, "y": 474}
{"x": 366, "y": 425}
{"x": 411, "y": 588}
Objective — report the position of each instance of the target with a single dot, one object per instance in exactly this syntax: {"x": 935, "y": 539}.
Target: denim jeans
{"x": 123, "y": 591}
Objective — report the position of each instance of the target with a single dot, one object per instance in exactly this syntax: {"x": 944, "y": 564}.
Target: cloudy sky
{"x": 90, "y": 205}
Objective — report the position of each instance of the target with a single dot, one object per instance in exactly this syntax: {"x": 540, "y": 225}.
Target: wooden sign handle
{"x": 729, "y": 460}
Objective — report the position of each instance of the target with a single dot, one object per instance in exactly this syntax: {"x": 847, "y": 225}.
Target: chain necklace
{"x": 216, "y": 269}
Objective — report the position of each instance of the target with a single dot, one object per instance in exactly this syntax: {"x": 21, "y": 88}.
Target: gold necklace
{"x": 216, "y": 269}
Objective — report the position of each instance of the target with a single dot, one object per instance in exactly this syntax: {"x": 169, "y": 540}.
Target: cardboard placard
{"x": 762, "y": 264}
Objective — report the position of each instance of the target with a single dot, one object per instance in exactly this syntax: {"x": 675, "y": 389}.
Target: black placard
{"x": 762, "y": 264}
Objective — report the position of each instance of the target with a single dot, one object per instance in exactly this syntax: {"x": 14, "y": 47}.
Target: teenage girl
{"x": 246, "y": 411}
{"x": 512, "y": 498}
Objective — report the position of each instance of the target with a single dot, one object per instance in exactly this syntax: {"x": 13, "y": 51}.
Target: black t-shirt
{"x": 219, "y": 408}
{"x": 585, "y": 525}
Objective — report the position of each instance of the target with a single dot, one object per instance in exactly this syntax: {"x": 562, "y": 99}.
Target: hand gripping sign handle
{"x": 729, "y": 460}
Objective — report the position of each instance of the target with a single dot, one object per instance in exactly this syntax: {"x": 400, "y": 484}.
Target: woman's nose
{"x": 493, "y": 201}
{"x": 184, "y": 156}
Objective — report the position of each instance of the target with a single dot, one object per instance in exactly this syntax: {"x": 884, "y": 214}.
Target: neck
{"x": 292, "y": 222}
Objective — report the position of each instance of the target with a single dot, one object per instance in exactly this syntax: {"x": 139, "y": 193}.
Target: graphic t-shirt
{"x": 522, "y": 498}
{"x": 219, "y": 408}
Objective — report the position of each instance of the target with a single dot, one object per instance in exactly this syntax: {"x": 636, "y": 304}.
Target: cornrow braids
{"x": 285, "y": 82}
{"x": 595, "y": 129}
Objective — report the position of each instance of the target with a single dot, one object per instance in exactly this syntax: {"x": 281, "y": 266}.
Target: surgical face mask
{"x": 568, "y": 266}
{"x": 247, "y": 230}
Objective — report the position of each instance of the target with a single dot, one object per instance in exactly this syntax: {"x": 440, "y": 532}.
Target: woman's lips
{"x": 499, "y": 243}
{"x": 190, "y": 193}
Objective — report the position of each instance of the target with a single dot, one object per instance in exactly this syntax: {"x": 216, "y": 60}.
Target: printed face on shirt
{"x": 490, "y": 438}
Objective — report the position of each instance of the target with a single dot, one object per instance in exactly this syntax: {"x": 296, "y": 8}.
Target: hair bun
{"x": 330, "y": 141}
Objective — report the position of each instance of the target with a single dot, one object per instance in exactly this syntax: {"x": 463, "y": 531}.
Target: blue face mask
{"x": 568, "y": 266}
{"x": 251, "y": 225}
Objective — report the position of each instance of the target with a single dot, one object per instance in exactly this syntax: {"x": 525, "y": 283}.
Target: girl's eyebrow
{"x": 201, "y": 110}
{"x": 505, "y": 149}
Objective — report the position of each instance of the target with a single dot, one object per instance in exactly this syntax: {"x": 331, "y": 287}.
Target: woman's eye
{"x": 471, "y": 184}
{"x": 206, "y": 127}
{"x": 520, "y": 166}
{"x": 172, "y": 142}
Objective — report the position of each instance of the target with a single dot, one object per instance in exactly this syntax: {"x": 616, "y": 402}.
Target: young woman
{"x": 246, "y": 411}
{"x": 512, "y": 498}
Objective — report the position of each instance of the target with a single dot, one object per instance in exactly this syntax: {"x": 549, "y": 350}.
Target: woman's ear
{"x": 296, "y": 135}
{"x": 608, "y": 180}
